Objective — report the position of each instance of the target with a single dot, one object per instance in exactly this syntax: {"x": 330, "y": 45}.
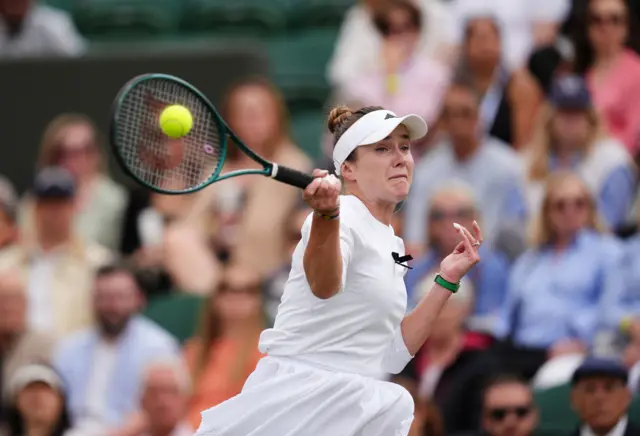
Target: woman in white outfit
{"x": 342, "y": 318}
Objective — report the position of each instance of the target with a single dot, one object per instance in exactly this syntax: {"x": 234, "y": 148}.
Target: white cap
{"x": 33, "y": 373}
{"x": 374, "y": 127}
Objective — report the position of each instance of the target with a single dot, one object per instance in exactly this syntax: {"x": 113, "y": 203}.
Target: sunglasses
{"x": 615, "y": 19}
{"x": 564, "y": 204}
{"x": 463, "y": 112}
{"x": 460, "y": 214}
{"x": 498, "y": 414}
{"x": 245, "y": 290}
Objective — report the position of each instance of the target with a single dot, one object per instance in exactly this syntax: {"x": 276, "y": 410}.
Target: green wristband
{"x": 453, "y": 287}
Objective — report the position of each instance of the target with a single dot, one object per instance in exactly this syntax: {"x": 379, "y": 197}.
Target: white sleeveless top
{"x": 350, "y": 331}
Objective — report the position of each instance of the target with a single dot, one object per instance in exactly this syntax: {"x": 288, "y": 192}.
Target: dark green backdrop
{"x": 33, "y": 92}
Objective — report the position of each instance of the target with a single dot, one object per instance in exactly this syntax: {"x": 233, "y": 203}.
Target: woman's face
{"x": 238, "y": 300}
{"x": 383, "y": 171}
{"x": 607, "y": 27}
{"x": 255, "y": 116}
{"x": 568, "y": 209}
{"x": 38, "y": 402}
{"x": 77, "y": 150}
{"x": 401, "y": 25}
{"x": 571, "y": 128}
{"x": 483, "y": 43}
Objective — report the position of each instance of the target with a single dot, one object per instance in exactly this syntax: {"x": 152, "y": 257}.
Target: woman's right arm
{"x": 323, "y": 255}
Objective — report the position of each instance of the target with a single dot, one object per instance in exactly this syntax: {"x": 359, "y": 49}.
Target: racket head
{"x": 156, "y": 161}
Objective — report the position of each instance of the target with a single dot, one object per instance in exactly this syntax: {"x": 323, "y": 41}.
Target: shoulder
{"x": 153, "y": 334}
{"x": 75, "y": 341}
{"x": 501, "y": 153}
{"x": 11, "y": 256}
{"x": 611, "y": 150}
{"x": 111, "y": 191}
{"x": 609, "y": 246}
{"x": 98, "y": 255}
{"x": 50, "y": 15}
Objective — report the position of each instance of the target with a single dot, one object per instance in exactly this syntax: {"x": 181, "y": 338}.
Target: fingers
{"x": 466, "y": 237}
{"x": 478, "y": 232}
{"x": 319, "y": 173}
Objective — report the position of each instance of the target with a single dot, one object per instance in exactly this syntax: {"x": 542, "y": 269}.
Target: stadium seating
{"x": 178, "y": 313}
{"x": 127, "y": 17}
{"x": 242, "y": 16}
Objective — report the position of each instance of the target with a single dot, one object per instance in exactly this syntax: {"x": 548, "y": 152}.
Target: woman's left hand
{"x": 464, "y": 256}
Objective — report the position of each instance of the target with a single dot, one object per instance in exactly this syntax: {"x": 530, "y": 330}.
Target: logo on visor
{"x": 389, "y": 116}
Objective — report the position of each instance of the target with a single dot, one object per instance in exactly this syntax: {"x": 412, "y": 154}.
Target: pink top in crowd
{"x": 617, "y": 98}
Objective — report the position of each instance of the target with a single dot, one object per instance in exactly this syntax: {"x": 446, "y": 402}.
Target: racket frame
{"x": 269, "y": 169}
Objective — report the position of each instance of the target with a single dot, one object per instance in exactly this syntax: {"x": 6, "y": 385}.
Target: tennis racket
{"x": 187, "y": 164}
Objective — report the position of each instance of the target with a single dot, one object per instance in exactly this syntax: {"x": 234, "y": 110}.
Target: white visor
{"x": 374, "y": 127}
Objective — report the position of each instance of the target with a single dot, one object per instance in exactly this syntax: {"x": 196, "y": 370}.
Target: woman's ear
{"x": 347, "y": 172}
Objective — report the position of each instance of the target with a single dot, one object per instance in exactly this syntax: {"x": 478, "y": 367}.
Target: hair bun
{"x": 337, "y": 116}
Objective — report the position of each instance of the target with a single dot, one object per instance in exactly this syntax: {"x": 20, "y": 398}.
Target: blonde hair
{"x": 50, "y": 143}
{"x": 542, "y": 144}
{"x": 541, "y": 233}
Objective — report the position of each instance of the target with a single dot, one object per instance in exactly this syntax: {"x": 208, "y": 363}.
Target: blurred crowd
{"x": 534, "y": 115}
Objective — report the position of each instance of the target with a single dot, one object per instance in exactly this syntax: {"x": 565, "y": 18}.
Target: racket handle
{"x": 290, "y": 176}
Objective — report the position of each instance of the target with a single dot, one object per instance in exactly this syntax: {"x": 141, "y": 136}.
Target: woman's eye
{"x": 381, "y": 149}
{"x": 405, "y": 148}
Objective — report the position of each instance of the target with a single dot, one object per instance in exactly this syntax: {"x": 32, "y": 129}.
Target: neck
{"x": 605, "y": 58}
{"x": 464, "y": 148}
{"x": 37, "y": 429}
{"x": 7, "y": 340}
{"x": 383, "y": 212}
{"x": 50, "y": 242}
{"x": 161, "y": 431}
{"x": 562, "y": 242}
{"x": 483, "y": 75}
{"x": 565, "y": 153}
{"x": 240, "y": 331}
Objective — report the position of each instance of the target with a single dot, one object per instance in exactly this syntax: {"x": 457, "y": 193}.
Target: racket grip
{"x": 291, "y": 177}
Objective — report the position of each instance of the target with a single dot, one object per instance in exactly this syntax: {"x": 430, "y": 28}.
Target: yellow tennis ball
{"x": 176, "y": 121}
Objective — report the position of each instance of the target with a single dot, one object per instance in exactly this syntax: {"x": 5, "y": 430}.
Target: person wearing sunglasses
{"x": 508, "y": 408}
{"x": 606, "y": 43}
{"x": 571, "y": 135}
{"x": 559, "y": 288}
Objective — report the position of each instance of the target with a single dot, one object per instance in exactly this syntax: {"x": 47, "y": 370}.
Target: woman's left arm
{"x": 525, "y": 98}
{"x": 416, "y": 327}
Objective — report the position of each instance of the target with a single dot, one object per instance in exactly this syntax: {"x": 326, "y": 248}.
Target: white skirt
{"x": 286, "y": 397}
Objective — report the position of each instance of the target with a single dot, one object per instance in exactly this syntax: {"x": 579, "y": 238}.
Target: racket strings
{"x": 157, "y": 160}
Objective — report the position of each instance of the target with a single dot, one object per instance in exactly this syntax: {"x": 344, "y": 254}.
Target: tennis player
{"x": 341, "y": 322}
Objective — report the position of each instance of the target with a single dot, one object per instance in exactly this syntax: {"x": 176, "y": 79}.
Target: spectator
{"x": 404, "y": 72}
{"x": 557, "y": 288}
{"x": 571, "y": 136}
{"x": 58, "y": 266}
{"x": 510, "y": 99}
{"x": 18, "y": 346}
{"x": 8, "y": 209}
{"x": 33, "y": 30}
{"x": 508, "y": 408}
{"x": 168, "y": 254}
{"x": 250, "y": 211}
{"x": 488, "y": 165}
{"x": 612, "y": 70}
{"x": 102, "y": 366}
{"x": 166, "y": 387}
{"x": 525, "y": 24}
{"x": 487, "y": 282}
{"x": 600, "y": 396}
{"x": 71, "y": 141}
{"x": 273, "y": 287}
{"x": 359, "y": 42}
{"x": 39, "y": 406}
{"x": 225, "y": 352}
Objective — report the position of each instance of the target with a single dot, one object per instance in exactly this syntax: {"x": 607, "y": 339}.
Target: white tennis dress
{"x": 318, "y": 378}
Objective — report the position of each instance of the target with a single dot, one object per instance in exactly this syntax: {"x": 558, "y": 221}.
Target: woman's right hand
{"x": 323, "y": 194}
